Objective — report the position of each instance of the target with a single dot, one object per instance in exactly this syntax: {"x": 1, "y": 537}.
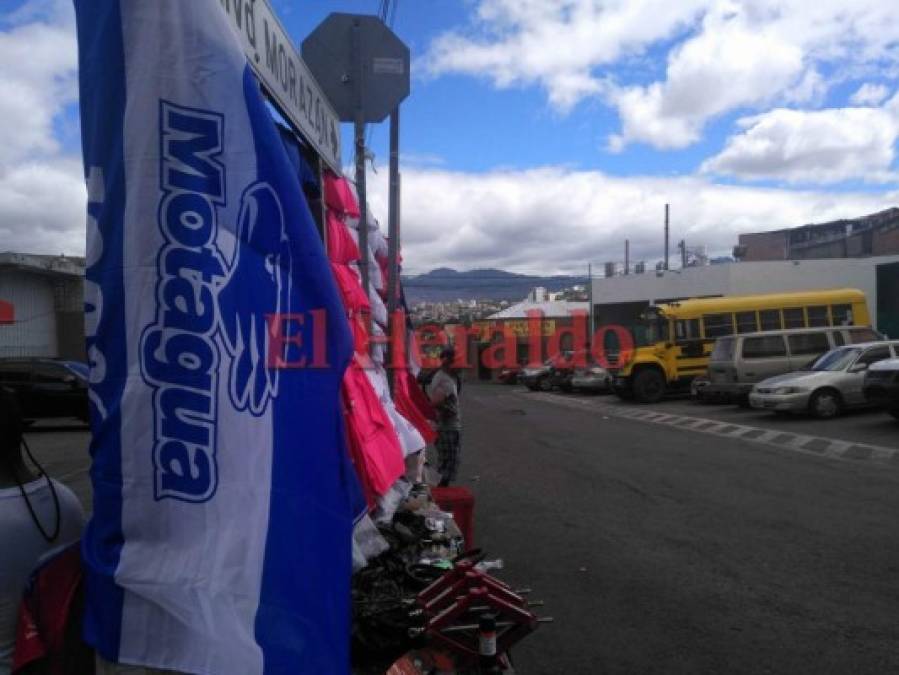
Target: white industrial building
{"x": 46, "y": 295}
{"x": 621, "y": 299}
{"x": 549, "y": 309}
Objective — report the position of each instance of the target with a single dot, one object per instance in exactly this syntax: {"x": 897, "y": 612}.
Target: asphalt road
{"x": 659, "y": 549}
{"x": 665, "y": 550}
{"x": 867, "y": 425}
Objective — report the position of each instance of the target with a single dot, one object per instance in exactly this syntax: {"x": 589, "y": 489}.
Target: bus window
{"x": 842, "y": 315}
{"x": 717, "y": 325}
{"x": 770, "y": 319}
{"x": 817, "y": 316}
{"x": 686, "y": 329}
{"x": 794, "y": 317}
{"x": 746, "y": 322}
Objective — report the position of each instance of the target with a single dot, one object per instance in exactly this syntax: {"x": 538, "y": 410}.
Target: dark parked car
{"x": 509, "y": 375}
{"x": 564, "y": 367}
{"x": 47, "y": 387}
{"x": 536, "y": 377}
{"x": 881, "y": 385}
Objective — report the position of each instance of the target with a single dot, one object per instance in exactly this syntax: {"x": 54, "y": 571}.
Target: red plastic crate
{"x": 460, "y": 502}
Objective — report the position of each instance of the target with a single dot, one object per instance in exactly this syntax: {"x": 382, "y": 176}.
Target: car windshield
{"x": 836, "y": 359}
{"x": 655, "y": 327}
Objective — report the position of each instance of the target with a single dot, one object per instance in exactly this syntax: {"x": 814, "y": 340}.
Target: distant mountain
{"x": 445, "y": 284}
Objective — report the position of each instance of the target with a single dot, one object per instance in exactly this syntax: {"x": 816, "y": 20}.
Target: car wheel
{"x": 649, "y": 386}
{"x": 545, "y": 384}
{"x": 825, "y": 404}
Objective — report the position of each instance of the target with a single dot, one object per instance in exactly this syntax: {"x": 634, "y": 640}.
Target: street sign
{"x": 285, "y": 77}
{"x": 330, "y": 52}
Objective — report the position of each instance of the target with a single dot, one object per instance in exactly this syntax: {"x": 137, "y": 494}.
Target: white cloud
{"x": 41, "y": 189}
{"x": 555, "y": 220}
{"x": 870, "y": 94}
{"x": 42, "y": 207}
{"x": 821, "y": 146}
{"x": 727, "y": 66}
{"x": 556, "y": 43}
{"x": 723, "y": 55}
{"x": 38, "y": 78}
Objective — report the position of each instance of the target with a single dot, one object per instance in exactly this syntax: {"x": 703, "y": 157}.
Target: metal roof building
{"x": 44, "y": 300}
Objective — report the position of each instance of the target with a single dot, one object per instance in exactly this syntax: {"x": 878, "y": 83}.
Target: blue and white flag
{"x": 220, "y": 541}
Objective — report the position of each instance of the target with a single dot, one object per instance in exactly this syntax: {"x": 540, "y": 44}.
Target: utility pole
{"x": 590, "y": 305}
{"x": 393, "y": 243}
{"x": 627, "y": 257}
{"x": 683, "y": 253}
{"x": 359, "y": 142}
{"x": 666, "y": 237}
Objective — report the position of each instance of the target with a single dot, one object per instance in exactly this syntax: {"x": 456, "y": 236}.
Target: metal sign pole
{"x": 359, "y": 128}
{"x": 393, "y": 239}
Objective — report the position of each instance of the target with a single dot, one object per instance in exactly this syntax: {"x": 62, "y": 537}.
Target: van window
{"x": 794, "y": 317}
{"x": 717, "y": 325}
{"x": 817, "y": 316}
{"x": 842, "y": 315}
{"x": 770, "y": 319}
{"x": 764, "y": 347}
{"x": 808, "y": 343}
{"x": 746, "y": 322}
{"x": 723, "y": 349}
{"x": 857, "y": 335}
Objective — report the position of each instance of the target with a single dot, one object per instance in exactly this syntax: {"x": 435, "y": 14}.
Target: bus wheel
{"x": 649, "y": 386}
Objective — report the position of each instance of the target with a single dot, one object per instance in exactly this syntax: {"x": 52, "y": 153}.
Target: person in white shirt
{"x": 38, "y": 518}
{"x": 443, "y": 390}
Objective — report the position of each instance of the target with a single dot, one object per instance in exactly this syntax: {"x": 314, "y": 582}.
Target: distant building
{"x": 622, "y": 299}
{"x": 538, "y": 294}
{"x": 873, "y": 235}
{"x": 555, "y": 322}
{"x": 45, "y": 296}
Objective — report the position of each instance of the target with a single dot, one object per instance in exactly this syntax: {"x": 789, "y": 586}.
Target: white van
{"x": 739, "y": 361}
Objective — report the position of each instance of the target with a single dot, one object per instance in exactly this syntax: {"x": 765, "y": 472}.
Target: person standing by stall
{"x": 443, "y": 390}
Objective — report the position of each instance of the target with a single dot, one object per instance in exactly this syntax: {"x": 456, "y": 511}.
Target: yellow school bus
{"x": 678, "y": 336}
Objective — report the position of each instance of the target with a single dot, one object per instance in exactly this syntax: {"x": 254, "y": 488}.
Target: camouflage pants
{"x": 448, "y": 450}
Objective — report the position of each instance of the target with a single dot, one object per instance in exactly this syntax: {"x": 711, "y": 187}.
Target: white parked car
{"x": 828, "y": 386}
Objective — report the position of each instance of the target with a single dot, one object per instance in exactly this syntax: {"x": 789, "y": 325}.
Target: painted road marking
{"x": 809, "y": 445}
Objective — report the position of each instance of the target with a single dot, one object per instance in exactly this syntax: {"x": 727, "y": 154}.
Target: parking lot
{"x": 671, "y": 538}
{"x": 685, "y": 538}
{"x": 867, "y": 426}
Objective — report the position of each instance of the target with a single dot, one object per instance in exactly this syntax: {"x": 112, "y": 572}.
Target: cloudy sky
{"x": 542, "y": 133}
